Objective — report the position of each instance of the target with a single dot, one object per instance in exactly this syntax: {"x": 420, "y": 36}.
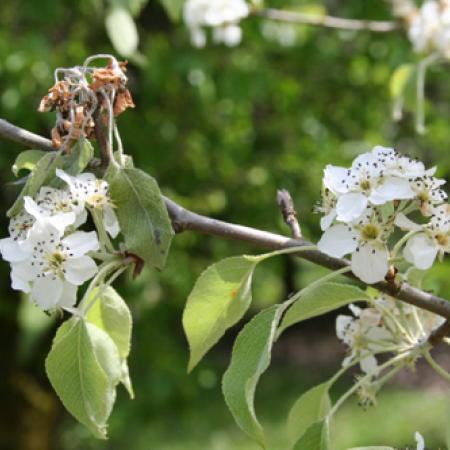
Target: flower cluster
{"x": 49, "y": 256}
{"x": 429, "y": 27}
{"x": 221, "y": 15}
{"x": 363, "y": 205}
{"x": 79, "y": 94}
{"x": 386, "y": 325}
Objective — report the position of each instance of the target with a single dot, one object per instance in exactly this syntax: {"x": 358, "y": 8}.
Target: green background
{"x": 221, "y": 129}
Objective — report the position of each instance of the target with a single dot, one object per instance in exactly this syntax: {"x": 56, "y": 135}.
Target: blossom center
{"x": 370, "y": 232}
{"x": 55, "y": 261}
{"x": 442, "y": 239}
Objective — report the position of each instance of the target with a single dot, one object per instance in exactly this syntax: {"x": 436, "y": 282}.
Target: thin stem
{"x": 420, "y": 91}
{"x": 399, "y": 244}
{"x": 438, "y": 369}
{"x": 362, "y": 380}
{"x": 105, "y": 242}
{"x": 103, "y": 271}
{"x": 327, "y": 21}
{"x": 103, "y": 287}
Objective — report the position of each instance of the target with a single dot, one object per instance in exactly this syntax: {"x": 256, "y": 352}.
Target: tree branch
{"x": 377, "y": 26}
{"x": 16, "y": 134}
{"x": 287, "y": 208}
{"x": 184, "y": 220}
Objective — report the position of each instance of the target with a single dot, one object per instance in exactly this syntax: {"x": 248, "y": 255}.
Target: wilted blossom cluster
{"x": 429, "y": 27}
{"x": 49, "y": 256}
{"x": 83, "y": 91}
{"x": 385, "y": 325}
{"x": 364, "y": 205}
{"x": 223, "y": 16}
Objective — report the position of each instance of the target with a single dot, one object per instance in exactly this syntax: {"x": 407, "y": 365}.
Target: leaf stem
{"x": 437, "y": 367}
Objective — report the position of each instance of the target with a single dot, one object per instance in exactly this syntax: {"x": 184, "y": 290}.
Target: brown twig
{"x": 377, "y": 26}
{"x": 439, "y": 334}
{"x": 287, "y": 208}
{"x": 102, "y": 140}
{"x": 183, "y": 220}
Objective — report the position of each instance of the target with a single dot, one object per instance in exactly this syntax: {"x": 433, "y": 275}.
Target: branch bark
{"x": 377, "y": 26}
{"x": 184, "y": 220}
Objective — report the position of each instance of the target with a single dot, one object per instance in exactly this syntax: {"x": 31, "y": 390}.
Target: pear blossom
{"x": 50, "y": 267}
{"x": 429, "y": 28}
{"x": 428, "y": 192}
{"x": 364, "y": 333}
{"x": 423, "y": 248}
{"x": 222, "y": 15}
{"x": 365, "y": 240}
{"x": 88, "y": 190}
{"x": 367, "y": 182}
{"x": 20, "y": 225}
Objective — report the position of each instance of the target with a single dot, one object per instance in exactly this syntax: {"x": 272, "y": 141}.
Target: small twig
{"x": 102, "y": 139}
{"x": 439, "y": 333}
{"x": 287, "y": 208}
{"x": 31, "y": 140}
{"x": 377, "y": 26}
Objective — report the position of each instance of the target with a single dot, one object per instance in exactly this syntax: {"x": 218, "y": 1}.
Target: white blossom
{"x": 365, "y": 240}
{"x": 429, "y": 28}
{"x": 88, "y": 190}
{"x": 51, "y": 268}
{"x": 364, "y": 334}
{"x": 222, "y": 15}
{"x": 373, "y": 179}
{"x": 422, "y": 248}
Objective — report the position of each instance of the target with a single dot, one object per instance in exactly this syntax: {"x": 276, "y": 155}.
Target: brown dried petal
{"x": 123, "y": 102}
{"x": 56, "y": 138}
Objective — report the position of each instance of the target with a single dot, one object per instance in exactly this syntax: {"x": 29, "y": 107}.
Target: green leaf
{"x": 315, "y": 437}
{"x": 219, "y": 299}
{"x": 43, "y": 173}
{"x": 173, "y": 8}
{"x": 83, "y": 367}
{"x": 122, "y": 31}
{"x": 250, "y": 358}
{"x": 320, "y": 300}
{"x": 142, "y": 214}
{"x": 78, "y": 159}
{"x": 27, "y": 160}
{"x": 311, "y": 407}
{"x": 111, "y": 314}
{"x": 400, "y": 79}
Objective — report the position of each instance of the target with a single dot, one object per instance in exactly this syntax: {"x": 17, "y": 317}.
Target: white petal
{"x": 14, "y": 251}
{"x": 31, "y": 207}
{"x": 18, "y": 281}
{"x": 421, "y": 251}
{"x": 405, "y": 223}
{"x": 369, "y": 364}
{"x": 335, "y": 179}
{"x": 370, "y": 264}
{"x": 47, "y": 291}
{"x": 327, "y": 220}
{"x": 81, "y": 242}
{"x": 69, "y": 295}
{"x": 64, "y": 176}
{"x": 338, "y": 241}
{"x": 79, "y": 270}
{"x": 342, "y": 326}
{"x": 351, "y": 206}
{"x": 61, "y": 220}
{"x": 81, "y": 218}
{"x": 392, "y": 188}
{"x": 110, "y": 220}
{"x": 420, "y": 441}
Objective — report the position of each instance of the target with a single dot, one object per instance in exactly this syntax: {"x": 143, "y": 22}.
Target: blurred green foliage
{"x": 221, "y": 129}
